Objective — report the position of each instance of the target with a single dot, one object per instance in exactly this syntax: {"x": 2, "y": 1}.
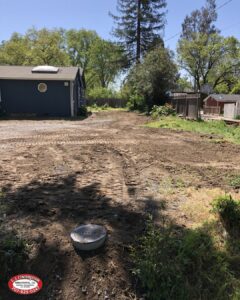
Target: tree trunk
{"x": 138, "y": 54}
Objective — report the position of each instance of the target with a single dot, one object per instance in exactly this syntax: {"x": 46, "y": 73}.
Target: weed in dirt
{"x": 169, "y": 186}
{"x": 235, "y": 182}
{"x": 229, "y": 133}
{"x": 178, "y": 263}
{"x": 13, "y": 252}
{"x": 228, "y": 210}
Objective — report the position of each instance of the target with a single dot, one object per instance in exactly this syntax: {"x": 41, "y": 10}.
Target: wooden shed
{"x": 41, "y": 91}
{"x": 214, "y": 104}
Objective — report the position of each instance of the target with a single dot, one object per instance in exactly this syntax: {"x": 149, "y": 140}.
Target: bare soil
{"x": 107, "y": 169}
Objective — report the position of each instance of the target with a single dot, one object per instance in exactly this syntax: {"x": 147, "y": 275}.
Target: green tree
{"x": 78, "y": 46}
{"x": 105, "y": 60}
{"x": 184, "y": 84}
{"x": 47, "y": 47}
{"x": 209, "y": 58}
{"x": 16, "y": 51}
{"x": 236, "y": 88}
{"x": 139, "y": 26}
{"x": 154, "y": 77}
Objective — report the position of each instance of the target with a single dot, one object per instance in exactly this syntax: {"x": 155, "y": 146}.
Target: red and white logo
{"x": 25, "y": 284}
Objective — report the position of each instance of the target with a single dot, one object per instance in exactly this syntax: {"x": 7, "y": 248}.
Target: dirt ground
{"x": 107, "y": 169}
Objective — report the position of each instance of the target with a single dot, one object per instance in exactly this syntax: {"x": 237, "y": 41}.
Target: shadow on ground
{"x": 45, "y": 212}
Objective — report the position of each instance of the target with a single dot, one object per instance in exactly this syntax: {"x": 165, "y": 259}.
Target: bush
{"x": 173, "y": 264}
{"x": 102, "y": 93}
{"x": 82, "y": 111}
{"x": 153, "y": 77}
{"x": 228, "y": 210}
{"x": 136, "y": 102}
{"x": 159, "y": 111}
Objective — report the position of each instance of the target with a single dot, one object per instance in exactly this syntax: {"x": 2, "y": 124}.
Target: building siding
{"x": 23, "y": 97}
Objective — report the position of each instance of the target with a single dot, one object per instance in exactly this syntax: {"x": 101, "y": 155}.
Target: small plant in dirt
{"x": 175, "y": 263}
{"x": 82, "y": 111}
{"x": 160, "y": 111}
{"x": 13, "y": 252}
{"x": 235, "y": 182}
{"x": 228, "y": 210}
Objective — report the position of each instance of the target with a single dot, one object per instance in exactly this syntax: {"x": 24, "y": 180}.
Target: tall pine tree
{"x": 139, "y": 26}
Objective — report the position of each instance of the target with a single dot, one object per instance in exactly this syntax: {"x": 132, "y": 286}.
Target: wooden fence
{"x": 187, "y": 106}
{"x": 115, "y": 103}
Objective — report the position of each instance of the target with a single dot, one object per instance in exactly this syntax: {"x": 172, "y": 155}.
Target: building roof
{"x": 224, "y": 98}
{"x": 25, "y": 73}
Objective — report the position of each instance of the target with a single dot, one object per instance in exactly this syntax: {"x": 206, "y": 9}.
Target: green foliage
{"x": 78, "y": 44}
{"x": 105, "y": 63}
{"x": 43, "y": 47}
{"x": 235, "y": 182}
{"x": 217, "y": 58}
{"x": 184, "y": 85}
{"x": 13, "y": 253}
{"x": 100, "y": 60}
{"x": 47, "y": 47}
{"x": 228, "y": 210}
{"x": 136, "y": 102}
{"x": 154, "y": 77}
{"x": 236, "y": 88}
{"x": 105, "y": 107}
{"x": 159, "y": 111}
{"x": 181, "y": 265}
{"x": 219, "y": 128}
{"x": 102, "y": 93}
{"x": 82, "y": 111}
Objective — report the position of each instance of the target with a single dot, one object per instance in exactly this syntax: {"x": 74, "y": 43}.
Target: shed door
{"x": 230, "y": 111}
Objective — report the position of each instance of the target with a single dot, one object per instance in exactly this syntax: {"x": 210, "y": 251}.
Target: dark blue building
{"x": 41, "y": 91}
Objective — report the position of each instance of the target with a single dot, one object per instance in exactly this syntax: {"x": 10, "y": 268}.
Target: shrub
{"x": 173, "y": 264}
{"x": 102, "y": 93}
{"x": 154, "y": 76}
{"x": 228, "y": 210}
{"x": 82, "y": 111}
{"x": 159, "y": 111}
{"x": 136, "y": 102}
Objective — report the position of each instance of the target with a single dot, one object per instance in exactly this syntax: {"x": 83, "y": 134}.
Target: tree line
{"x": 138, "y": 51}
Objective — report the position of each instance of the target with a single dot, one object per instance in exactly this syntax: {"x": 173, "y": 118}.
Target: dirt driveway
{"x": 110, "y": 170}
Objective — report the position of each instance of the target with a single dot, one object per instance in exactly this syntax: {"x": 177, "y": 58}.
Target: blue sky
{"x": 19, "y": 15}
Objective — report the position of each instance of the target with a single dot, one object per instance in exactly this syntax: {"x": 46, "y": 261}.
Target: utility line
{"x": 219, "y": 7}
{"x": 224, "y": 4}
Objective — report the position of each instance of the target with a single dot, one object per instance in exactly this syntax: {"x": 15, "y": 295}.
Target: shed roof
{"x": 224, "y": 98}
{"x": 25, "y": 73}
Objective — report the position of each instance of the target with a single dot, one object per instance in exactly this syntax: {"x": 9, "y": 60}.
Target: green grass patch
{"x": 96, "y": 108}
{"x": 228, "y": 133}
{"x": 178, "y": 263}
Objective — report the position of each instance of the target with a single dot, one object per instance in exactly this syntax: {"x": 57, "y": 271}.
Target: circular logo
{"x": 25, "y": 284}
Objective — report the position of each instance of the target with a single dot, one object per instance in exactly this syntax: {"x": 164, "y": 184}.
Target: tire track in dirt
{"x": 88, "y": 142}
